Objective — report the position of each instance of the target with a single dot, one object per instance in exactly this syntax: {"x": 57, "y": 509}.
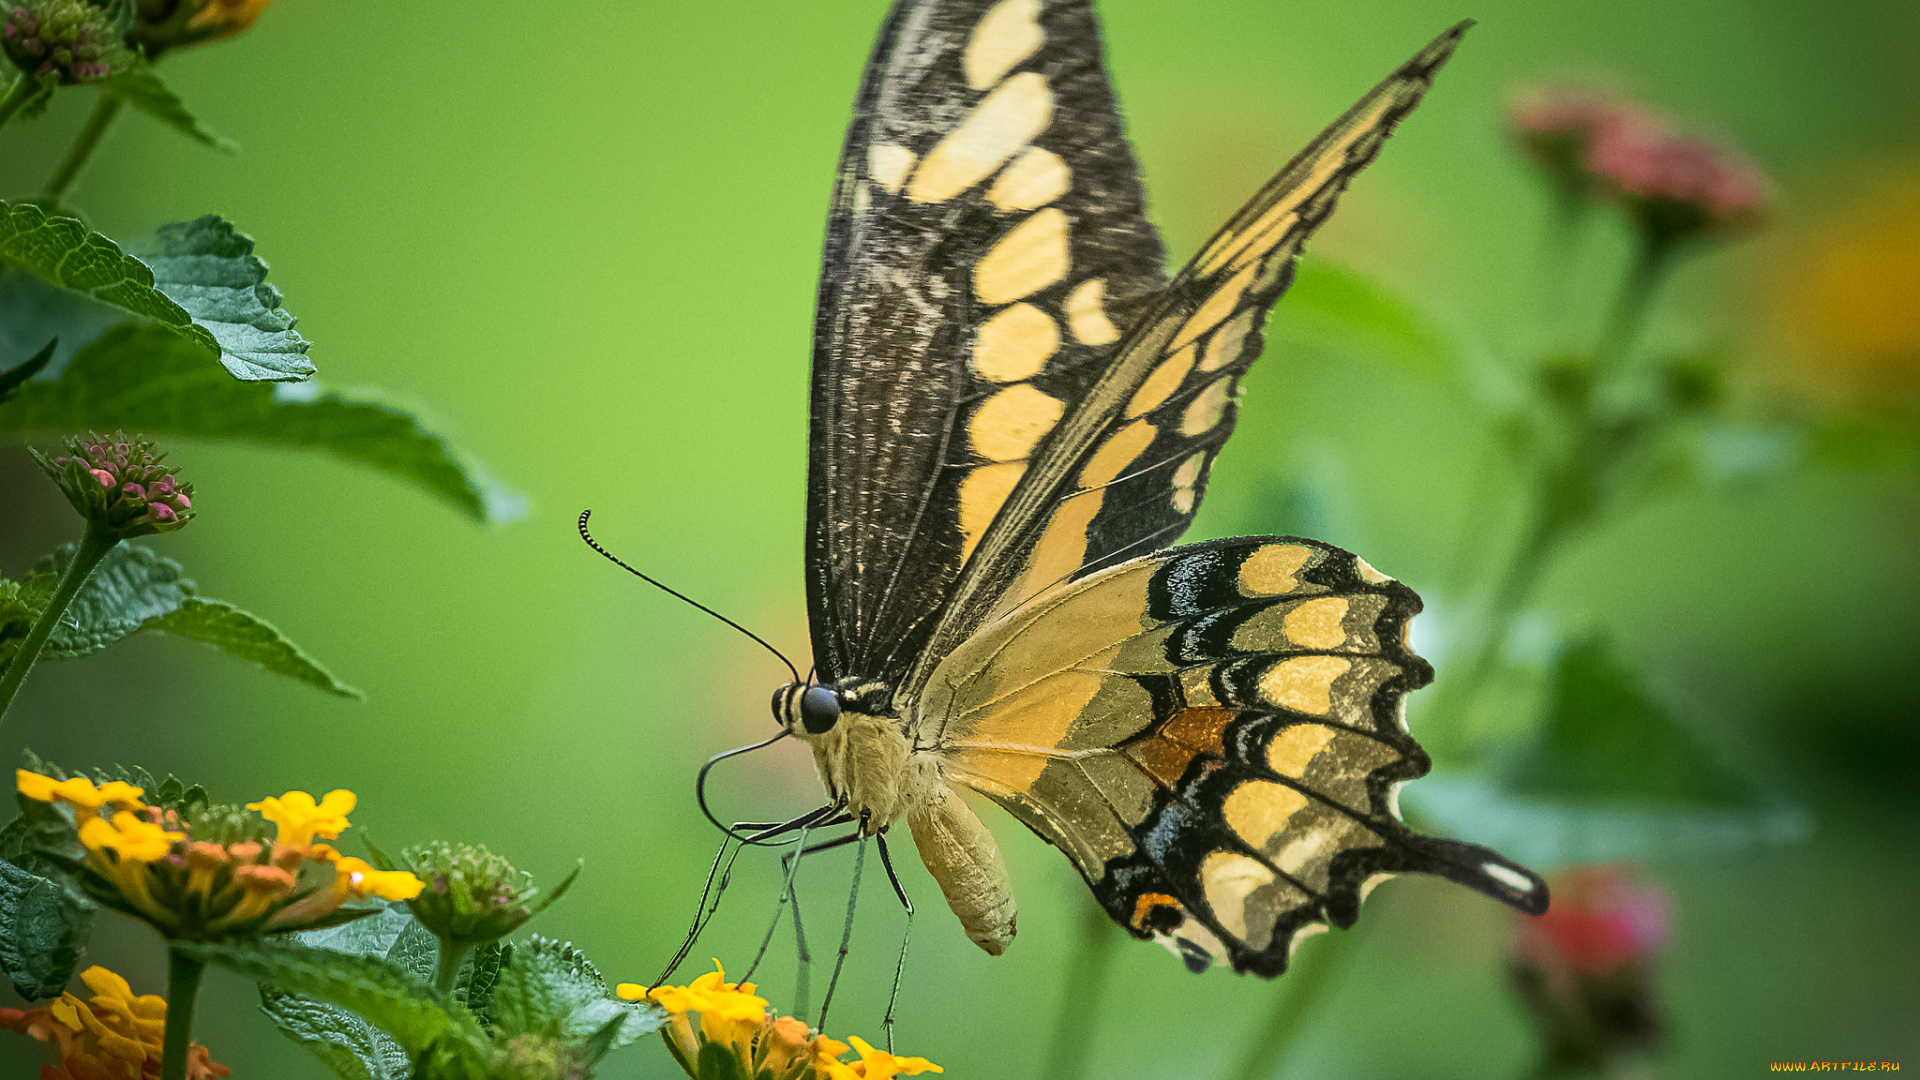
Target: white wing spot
{"x": 889, "y": 165}
{"x": 1507, "y": 877}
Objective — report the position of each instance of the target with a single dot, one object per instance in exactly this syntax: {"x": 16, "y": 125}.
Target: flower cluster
{"x": 115, "y": 1036}
{"x": 471, "y": 895}
{"x": 217, "y": 876}
{"x": 1670, "y": 185}
{"x": 118, "y": 484}
{"x": 1584, "y": 968}
{"x": 160, "y": 25}
{"x": 72, "y": 40}
{"x": 740, "y": 1021}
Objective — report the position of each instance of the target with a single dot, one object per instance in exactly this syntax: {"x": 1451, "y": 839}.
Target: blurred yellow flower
{"x": 78, "y": 791}
{"x": 225, "y": 18}
{"x": 117, "y": 1035}
{"x": 1847, "y": 294}
{"x": 881, "y": 1065}
{"x": 300, "y": 819}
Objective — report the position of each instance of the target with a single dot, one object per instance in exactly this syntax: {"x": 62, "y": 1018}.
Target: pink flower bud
{"x": 102, "y": 475}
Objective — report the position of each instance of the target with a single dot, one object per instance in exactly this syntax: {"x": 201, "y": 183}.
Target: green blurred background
{"x": 585, "y": 237}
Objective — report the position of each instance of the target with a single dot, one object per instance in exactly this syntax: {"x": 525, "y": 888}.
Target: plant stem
{"x": 447, "y": 970}
{"x": 94, "y": 545}
{"x": 183, "y": 984}
{"x": 24, "y": 89}
{"x": 1630, "y": 308}
{"x": 1080, "y": 997}
{"x": 1300, "y": 990}
{"x": 83, "y": 146}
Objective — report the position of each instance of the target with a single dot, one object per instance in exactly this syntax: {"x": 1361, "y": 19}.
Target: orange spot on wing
{"x": 1146, "y": 903}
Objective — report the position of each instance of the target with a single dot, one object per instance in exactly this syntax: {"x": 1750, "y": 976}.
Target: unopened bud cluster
{"x": 471, "y": 895}
{"x": 72, "y": 40}
{"x": 118, "y": 484}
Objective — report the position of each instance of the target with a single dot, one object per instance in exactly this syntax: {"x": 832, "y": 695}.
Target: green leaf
{"x": 1611, "y": 773}
{"x": 42, "y": 933}
{"x": 134, "y": 589}
{"x": 397, "y": 1002}
{"x": 140, "y": 85}
{"x": 64, "y": 252}
{"x": 347, "y": 1043}
{"x": 478, "y": 977}
{"x": 205, "y": 285}
{"x": 139, "y": 378}
{"x": 550, "y": 988}
{"x": 1336, "y": 302}
{"x": 248, "y": 637}
{"x": 209, "y": 269}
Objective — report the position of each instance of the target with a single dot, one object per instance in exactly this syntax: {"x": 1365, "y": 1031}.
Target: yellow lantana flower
{"x": 225, "y": 18}
{"x": 300, "y": 819}
{"x": 365, "y": 880}
{"x": 733, "y": 1016}
{"x": 78, "y": 791}
{"x": 117, "y": 1034}
{"x": 129, "y": 836}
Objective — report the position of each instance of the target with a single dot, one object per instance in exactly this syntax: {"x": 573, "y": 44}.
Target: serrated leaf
{"x": 478, "y": 977}
{"x": 139, "y": 85}
{"x": 42, "y": 933}
{"x": 236, "y": 633}
{"x": 347, "y": 1044}
{"x": 64, "y": 252}
{"x": 134, "y": 588}
{"x": 397, "y": 1002}
{"x": 1611, "y": 773}
{"x": 131, "y": 587}
{"x": 210, "y": 269}
{"x": 550, "y": 988}
{"x": 138, "y": 378}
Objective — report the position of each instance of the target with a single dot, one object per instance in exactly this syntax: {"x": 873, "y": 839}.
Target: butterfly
{"x": 1013, "y": 414}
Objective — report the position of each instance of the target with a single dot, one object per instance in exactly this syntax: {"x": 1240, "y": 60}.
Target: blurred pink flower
{"x": 1584, "y": 969}
{"x": 1675, "y": 185}
{"x": 1601, "y": 919}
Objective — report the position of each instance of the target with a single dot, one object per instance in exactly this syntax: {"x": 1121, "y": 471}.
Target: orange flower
{"x": 116, "y": 1035}
{"x": 225, "y": 18}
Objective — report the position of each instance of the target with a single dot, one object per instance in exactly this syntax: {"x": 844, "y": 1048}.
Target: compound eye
{"x": 819, "y": 709}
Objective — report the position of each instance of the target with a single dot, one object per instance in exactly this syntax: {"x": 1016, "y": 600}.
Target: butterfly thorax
{"x": 860, "y": 749}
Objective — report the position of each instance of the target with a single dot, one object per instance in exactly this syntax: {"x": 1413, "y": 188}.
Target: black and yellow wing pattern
{"x": 1014, "y": 413}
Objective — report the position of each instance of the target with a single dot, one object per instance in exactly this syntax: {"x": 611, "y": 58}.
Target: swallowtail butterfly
{"x": 1013, "y": 415}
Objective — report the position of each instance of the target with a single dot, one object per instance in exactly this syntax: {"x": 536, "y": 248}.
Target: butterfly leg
{"x": 900, "y": 965}
{"x": 846, "y": 932}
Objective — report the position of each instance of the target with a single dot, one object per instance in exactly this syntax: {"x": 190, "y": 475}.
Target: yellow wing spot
{"x": 1317, "y": 624}
{"x": 1214, "y": 309}
{"x": 1008, "y": 33}
{"x": 889, "y": 165}
{"x": 1311, "y": 930}
{"x": 1035, "y": 179}
{"x": 1269, "y": 571}
{"x": 1230, "y": 880}
{"x": 1087, "y": 314}
{"x": 981, "y": 494}
{"x": 1015, "y": 344}
{"x": 1030, "y": 257}
{"x": 1368, "y": 574}
{"x": 1008, "y": 425}
{"x": 1223, "y": 347}
{"x": 1373, "y": 882}
{"x": 1293, "y": 749}
{"x": 1118, "y": 452}
{"x": 1206, "y": 408}
{"x": 1160, "y": 385}
{"x": 1303, "y": 851}
{"x": 1259, "y": 810}
{"x": 1304, "y": 683}
{"x": 1062, "y": 548}
{"x": 1185, "y": 480}
{"x": 1007, "y": 120}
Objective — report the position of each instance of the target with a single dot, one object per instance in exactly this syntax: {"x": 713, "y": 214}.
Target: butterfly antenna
{"x": 678, "y": 595}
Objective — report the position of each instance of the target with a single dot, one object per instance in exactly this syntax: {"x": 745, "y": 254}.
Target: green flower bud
{"x": 538, "y": 1057}
{"x": 77, "y": 41}
{"x": 471, "y": 896}
{"x": 118, "y": 484}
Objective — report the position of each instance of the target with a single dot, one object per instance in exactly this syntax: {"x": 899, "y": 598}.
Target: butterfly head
{"x": 806, "y": 709}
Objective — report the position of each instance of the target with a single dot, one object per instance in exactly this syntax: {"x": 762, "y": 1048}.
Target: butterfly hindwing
{"x": 1124, "y": 471}
{"x": 987, "y": 242}
{"x": 1212, "y": 734}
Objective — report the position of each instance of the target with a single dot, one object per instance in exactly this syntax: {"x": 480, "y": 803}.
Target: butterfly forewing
{"x": 988, "y": 242}
{"x": 1124, "y": 471}
{"x": 1213, "y": 736}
